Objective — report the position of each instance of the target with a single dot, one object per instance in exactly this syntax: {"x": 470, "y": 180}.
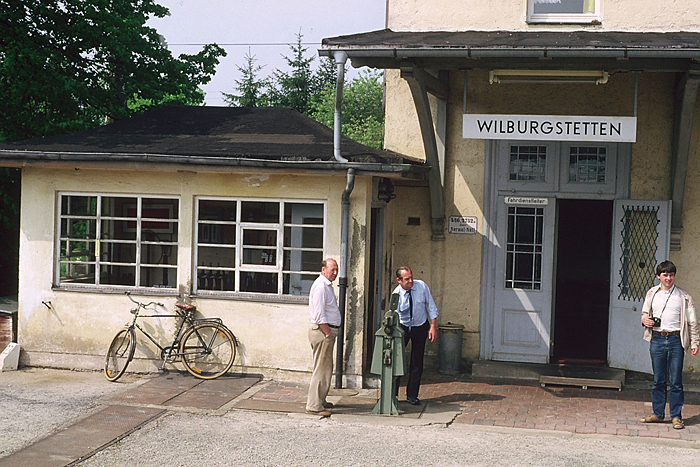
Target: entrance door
{"x": 642, "y": 231}
{"x": 523, "y": 284}
{"x": 582, "y": 294}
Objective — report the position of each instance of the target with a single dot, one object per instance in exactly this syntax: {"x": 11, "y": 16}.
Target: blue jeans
{"x": 667, "y": 364}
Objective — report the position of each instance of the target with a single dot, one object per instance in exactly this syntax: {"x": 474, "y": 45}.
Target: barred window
{"x": 114, "y": 240}
{"x": 258, "y": 246}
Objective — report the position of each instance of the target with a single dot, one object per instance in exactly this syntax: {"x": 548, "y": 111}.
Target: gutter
{"x": 22, "y": 159}
{"x": 497, "y": 52}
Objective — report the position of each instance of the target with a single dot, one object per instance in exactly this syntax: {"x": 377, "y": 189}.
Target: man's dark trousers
{"x": 418, "y": 335}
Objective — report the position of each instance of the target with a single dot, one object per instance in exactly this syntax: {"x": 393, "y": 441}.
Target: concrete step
{"x": 533, "y": 371}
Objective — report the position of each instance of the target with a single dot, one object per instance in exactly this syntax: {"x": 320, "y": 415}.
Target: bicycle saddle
{"x": 186, "y": 307}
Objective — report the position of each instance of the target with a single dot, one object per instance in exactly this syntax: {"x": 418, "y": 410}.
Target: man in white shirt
{"x": 668, "y": 316}
{"x": 325, "y": 321}
{"x": 418, "y": 317}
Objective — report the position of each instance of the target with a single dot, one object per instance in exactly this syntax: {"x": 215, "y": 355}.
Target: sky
{"x": 263, "y": 28}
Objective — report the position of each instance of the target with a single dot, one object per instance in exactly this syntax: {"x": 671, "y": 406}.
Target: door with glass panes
{"x": 524, "y": 280}
{"x": 530, "y": 179}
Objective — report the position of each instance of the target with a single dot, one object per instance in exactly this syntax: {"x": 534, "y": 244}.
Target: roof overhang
{"x": 611, "y": 51}
{"x": 161, "y": 162}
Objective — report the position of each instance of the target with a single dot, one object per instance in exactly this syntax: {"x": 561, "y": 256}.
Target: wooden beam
{"x": 419, "y": 82}
{"x": 686, "y": 95}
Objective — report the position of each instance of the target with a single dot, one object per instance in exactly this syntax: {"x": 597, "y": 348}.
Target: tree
{"x": 251, "y": 90}
{"x": 362, "y": 110}
{"x": 69, "y": 65}
{"x": 293, "y": 89}
{"x": 313, "y": 93}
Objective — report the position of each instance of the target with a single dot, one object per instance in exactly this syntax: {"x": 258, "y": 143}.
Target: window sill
{"x": 590, "y": 21}
{"x": 163, "y": 292}
{"x": 250, "y": 297}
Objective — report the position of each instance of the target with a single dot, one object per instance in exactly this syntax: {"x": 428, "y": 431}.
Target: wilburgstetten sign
{"x": 550, "y": 128}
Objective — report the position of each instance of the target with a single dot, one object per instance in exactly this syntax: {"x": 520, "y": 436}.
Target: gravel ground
{"x": 35, "y": 402}
{"x": 263, "y": 439}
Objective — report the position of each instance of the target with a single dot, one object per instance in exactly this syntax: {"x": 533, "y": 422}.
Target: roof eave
{"x": 21, "y": 159}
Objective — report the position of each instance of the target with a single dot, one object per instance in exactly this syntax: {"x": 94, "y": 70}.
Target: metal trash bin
{"x": 450, "y": 347}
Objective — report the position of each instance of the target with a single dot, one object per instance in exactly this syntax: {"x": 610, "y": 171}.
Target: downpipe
{"x": 340, "y": 59}
{"x": 343, "y": 275}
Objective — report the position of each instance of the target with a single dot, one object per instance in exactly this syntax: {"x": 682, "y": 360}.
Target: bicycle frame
{"x": 171, "y": 351}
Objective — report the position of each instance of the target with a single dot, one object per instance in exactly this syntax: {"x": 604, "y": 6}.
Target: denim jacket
{"x": 689, "y": 325}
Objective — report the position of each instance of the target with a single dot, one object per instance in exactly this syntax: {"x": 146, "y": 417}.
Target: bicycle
{"x": 206, "y": 347}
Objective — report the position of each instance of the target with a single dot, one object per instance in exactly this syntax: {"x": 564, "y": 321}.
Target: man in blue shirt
{"x": 418, "y": 317}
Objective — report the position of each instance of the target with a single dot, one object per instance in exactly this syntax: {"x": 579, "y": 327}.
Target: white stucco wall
{"x": 491, "y": 15}
{"x": 77, "y": 328}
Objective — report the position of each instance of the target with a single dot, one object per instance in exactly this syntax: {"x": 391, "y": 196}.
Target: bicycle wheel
{"x": 208, "y": 350}
{"x": 120, "y": 352}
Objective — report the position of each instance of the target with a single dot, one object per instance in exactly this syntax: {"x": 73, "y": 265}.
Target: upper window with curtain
{"x": 563, "y": 11}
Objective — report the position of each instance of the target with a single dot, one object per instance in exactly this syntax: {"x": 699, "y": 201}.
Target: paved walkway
{"x": 521, "y": 404}
{"x": 447, "y": 401}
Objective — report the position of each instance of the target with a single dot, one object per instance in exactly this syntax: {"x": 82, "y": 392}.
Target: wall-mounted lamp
{"x": 549, "y": 76}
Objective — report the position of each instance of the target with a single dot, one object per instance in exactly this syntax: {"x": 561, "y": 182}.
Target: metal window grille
{"x": 638, "y": 260}
{"x": 524, "y": 248}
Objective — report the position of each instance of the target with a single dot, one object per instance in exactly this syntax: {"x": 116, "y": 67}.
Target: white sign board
{"x": 462, "y": 225}
{"x": 550, "y": 128}
{"x": 523, "y": 200}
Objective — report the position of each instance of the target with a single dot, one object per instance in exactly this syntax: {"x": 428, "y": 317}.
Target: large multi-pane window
{"x": 258, "y": 246}
{"x": 114, "y": 240}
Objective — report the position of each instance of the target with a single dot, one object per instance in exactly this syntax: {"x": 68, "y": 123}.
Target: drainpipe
{"x": 343, "y": 275}
{"x": 340, "y": 59}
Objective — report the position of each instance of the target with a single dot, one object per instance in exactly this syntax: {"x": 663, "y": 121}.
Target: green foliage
{"x": 69, "y": 65}
{"x": 313, "y": 93}
{"x": 251, "y": 89}
{"x": 293, "y": 89}
{"x": 9, "y": 229}
{"x": 362, "y": 111}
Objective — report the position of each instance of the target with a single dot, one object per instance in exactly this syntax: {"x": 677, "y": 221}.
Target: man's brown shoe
{"x": 320, "y": 413}
{"x": 652, "y": 419}
{"x": 678, "y": 423}
{"x": 328, "y": 405}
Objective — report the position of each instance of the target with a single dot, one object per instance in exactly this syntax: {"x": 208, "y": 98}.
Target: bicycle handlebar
{"x": 142, "y": 305}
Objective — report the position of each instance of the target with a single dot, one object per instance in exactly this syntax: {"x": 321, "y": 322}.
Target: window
{"x": 116, "y": 240}
{"x": 528, "y": 163}
{"x": 524, "y": 248}
{"x": 564, "y": 11}
{"x": 640, "y": 232}
{"x": 258, "y": 246}
{"x": 587, "y": 164}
